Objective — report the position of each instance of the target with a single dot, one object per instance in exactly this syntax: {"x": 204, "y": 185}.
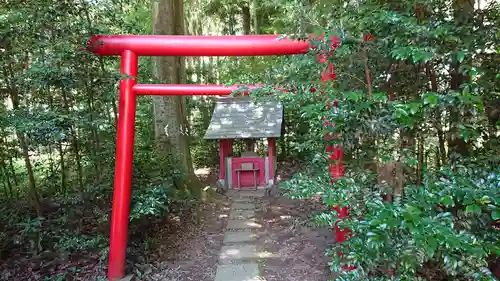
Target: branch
{"x": 367, "y": 72}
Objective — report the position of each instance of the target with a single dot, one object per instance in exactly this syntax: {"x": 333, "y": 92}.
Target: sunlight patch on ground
{"x": 202, "y": 171}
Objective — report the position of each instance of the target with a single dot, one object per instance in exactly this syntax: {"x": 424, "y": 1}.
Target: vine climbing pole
{"x": 336, "y": 157}
{"x": 130, "y": 47}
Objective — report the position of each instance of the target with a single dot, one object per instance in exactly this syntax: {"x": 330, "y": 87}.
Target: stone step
{"x": 247, "y": 193}
{"x": 238, "y": 272}
{"x": 239, "y": 253}
{"x": 242, "y": 206}
{"x": 241, "y": 214}
{"x": 239, "y": 237}
{"x": 242, "y": 224}
{"x": 243, "y": 199}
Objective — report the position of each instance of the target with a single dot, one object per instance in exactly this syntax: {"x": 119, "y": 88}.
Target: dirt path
{"x": 248, "y": 237}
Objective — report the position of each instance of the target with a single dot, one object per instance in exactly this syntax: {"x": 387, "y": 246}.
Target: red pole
{"x": 222, "y": 159}
{"x": 271, "y": 151}
{"x": 123, "y": 169}
{"x": 336, "y": 154}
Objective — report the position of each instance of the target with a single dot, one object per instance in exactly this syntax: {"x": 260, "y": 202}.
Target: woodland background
{"x": 418, "y": 88}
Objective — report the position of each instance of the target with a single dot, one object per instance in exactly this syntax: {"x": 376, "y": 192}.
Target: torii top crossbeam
{"x": 184, "y": 45}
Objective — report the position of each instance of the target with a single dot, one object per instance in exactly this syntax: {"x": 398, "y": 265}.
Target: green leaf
{"x": 431, "y": 246}
{"x": 474, "y": 208}
{"x": 401, "y": 113}
{"x": 447, "y": 201}
{"x": 380, "y": 97}
{"x": 495, "y": 215}
{"x": 353, "y": 96}
{"x": 460, "y": 56}
{"x": 414, "y": 107}
{"x": 430, "y": 99}
{"x": 412, "y": 161}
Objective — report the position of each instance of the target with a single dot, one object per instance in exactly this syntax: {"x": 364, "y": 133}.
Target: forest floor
{"x": 191, "y": 250}
{"x": 186, "y": 245}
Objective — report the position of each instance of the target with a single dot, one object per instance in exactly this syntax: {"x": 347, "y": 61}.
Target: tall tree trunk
{"x": 171, "y": 124}
{"x": 441, "y": 160}
{"x": 16, "y": 104}
{"x": 463, "y": 12}
{"x": 13, "y": 171}
{"x": 75, "y": 145}
{"x": 5, "y": 177}
{"x": 245, "y": 13}
{"x": 63, "y": 167}
{"x": 255, "y": 16}
{"x": 421, "y": 159}
{"x": 95, "y": 148}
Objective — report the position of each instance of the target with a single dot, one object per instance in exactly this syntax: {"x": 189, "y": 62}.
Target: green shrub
{"x": 444, "y": 226}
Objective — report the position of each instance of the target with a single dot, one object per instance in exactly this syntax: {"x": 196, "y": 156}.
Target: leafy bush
{"x": 446, "y": 225}
{"x": 151, "y": 200}
{"x": 71, "y": 242}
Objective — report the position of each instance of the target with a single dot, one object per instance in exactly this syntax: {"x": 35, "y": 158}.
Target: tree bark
{"x": 463, "y": 12}
{"x": 16, "y": 104}
{"x": 6, "y": 180}
{"x": 441, "y": 160}
{"x": 63, "y": 167}
{"x": 245, "y": 13}
{"x": 171, "y": 124}
{"x": 421, "y": 158}
{"x": 75, "y": 145}
{"x": 255, "y": 16}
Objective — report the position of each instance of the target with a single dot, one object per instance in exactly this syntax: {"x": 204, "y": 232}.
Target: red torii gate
{"x": 129, "y": 47}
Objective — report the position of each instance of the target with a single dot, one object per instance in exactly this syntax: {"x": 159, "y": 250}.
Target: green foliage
{"x": 446, "y": 223}
{"x": 150, "y": 201}
{"x": 71, "y": 242}
{"x": 422, "y": 92}
{"x": 427, "y": 110}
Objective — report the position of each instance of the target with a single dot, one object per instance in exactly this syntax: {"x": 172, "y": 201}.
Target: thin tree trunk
{"x": 246, "y": 19}
{"x": 75, "y": 146}
{"x": 5, "y": 177}
{"x": 13, "y": 171}
{"x": 255, "y": 15}
{"x": 463, "y": 13}
{"x": 437, "y": 117}
{"x": 32, "y": 190}
{"x": 420, "y": 157}
{"x": 64, "y": 187}
{"x": 95, "y": 143}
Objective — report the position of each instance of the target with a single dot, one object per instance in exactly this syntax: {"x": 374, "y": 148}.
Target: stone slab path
{"x": 239, "y": 256}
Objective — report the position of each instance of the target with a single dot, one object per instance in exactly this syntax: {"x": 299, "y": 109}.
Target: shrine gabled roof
{"x": 245, "y": 118}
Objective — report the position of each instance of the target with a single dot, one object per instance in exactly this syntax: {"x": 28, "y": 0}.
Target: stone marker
{"x": 242, "y": 224}
{"x": 239, "y": 237}
{"x": 238, "y": 272}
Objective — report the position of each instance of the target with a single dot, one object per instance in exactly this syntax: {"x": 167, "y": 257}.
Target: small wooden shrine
{"x": 241, "y": 118}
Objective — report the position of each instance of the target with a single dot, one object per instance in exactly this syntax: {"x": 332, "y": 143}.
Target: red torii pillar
{"x": 129, "y": 47}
